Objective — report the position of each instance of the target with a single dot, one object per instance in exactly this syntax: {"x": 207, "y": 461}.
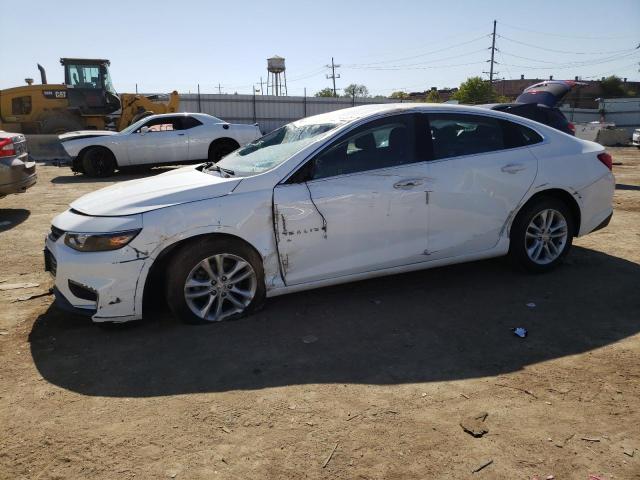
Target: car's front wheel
{"x": 98, "y": 162}
{"x": 541, "y": 234}
{"x": 214, "y": 279}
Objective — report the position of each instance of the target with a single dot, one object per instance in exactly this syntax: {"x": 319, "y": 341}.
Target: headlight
{"x": 99, "y": 242}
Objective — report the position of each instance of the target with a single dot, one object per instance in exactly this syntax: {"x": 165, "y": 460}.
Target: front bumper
{"x": 101, "y": 285}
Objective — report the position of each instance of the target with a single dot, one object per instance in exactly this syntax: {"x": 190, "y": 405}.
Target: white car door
{"x": 358, "y": 206}
{"x": 164, "y": 142}
{"x": 481, "y": 170}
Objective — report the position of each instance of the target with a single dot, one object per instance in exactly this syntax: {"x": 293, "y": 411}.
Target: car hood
{"x": 549, "y": 92}
{"x": 65, "y": 137}
{"x": 179, "y": 186}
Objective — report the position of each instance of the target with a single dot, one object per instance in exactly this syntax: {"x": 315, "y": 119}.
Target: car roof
{"x": 352, "y": 114}
{"x": 201, "y": 116}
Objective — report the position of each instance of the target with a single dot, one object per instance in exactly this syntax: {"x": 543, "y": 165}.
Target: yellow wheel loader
{"x": 86, "y": 101}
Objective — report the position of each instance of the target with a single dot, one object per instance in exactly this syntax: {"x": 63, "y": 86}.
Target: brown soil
{"x": 398, "y": 364}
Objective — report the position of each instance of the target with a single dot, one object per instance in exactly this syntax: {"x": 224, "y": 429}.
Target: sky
{"x": 405, "y": 45}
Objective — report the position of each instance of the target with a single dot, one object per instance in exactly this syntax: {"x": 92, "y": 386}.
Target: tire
{"x": 214, "y": 299}
{"x": 98, "y": 162}
{"x": 222, "y": 148}
{"x": 57, "y": 124}
{"x": 549, "y": 236}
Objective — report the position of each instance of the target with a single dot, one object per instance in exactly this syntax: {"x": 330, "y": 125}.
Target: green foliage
{"x": 433, "y": 97}
{"x": 474, "y": 91}
{"x": 399, "y": 95}
{"x": 325, "y": 92}
{"x": 355, "y": 90}
{"x": 613, "y": 87}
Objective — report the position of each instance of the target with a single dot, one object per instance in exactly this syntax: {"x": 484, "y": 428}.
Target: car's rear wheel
{"x": 541, "y": 234}
{"x": 98, "y": 162}
{"x": 214, "y": 279}
{"x": 221, "y": 148}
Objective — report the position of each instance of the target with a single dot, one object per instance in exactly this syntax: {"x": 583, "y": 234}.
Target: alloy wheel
{"x": 546, "y": 236}
{"x": 220, "y": 286}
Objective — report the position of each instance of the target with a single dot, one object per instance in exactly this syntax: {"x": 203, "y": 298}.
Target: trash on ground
{"x": 484, "y": 465}
{"x": 225, "y": 429}
{"x": 629, "y": 451}
{"x": 520, "y": 332}
{"x": 474, "y": 425}
{"x": 16, "y": 286}
{"x": 32, "y": 296}
{"x": 590, "y": 439}
{"x": 309, "y": 339}
{"x": 328, "y": 459}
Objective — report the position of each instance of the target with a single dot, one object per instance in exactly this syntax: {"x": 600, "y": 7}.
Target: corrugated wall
{"x": 268, "y": 111}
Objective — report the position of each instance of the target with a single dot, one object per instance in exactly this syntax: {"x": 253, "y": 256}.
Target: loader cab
{"x": 89, "y": 86}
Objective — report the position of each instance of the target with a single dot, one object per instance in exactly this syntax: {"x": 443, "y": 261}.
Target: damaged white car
{"x": 164, "y": 139}
{"x": 343, "y": 196}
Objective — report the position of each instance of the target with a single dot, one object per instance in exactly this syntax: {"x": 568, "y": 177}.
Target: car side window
{"x": 382, "y": 143}
{"x": 516, "y": 135}
{"x": 163, "y": 124}
{"x": 189, "y": 122}
{"x": 457, "y": 134}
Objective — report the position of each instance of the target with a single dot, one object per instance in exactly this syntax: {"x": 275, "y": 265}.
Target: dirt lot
{"x": 398, "y": 363}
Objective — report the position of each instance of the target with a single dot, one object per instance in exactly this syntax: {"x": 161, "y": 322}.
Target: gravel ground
{"x": 393, "y": 367}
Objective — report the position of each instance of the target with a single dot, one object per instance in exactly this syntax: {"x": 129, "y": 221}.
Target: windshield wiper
{"x": 225, "y": 172}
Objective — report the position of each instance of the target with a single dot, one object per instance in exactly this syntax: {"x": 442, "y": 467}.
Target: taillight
{"x": 6, "y": 147}
{"x": 571, "y": 127}
{"x": 605, "y": 158}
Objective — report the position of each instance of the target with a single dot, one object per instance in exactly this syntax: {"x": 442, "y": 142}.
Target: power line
{"x": 417, "y": 68}
{"x": 564, "y": 51}
{"x": 567, "y": 66}
{"x": 420, "y": 55}
{"x": 406, "y": 65}
{"x": 566, "y": 36}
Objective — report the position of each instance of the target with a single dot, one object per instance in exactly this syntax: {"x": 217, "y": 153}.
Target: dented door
{"x": 352, "y": 224}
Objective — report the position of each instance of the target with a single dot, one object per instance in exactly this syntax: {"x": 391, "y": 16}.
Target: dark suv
{"x": 539, "y": 102}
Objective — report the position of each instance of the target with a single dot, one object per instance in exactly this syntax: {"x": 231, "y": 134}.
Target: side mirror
{"x": 144, "y": 130}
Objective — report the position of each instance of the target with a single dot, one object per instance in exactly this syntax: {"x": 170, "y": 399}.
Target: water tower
{"x": 276, "y": 76}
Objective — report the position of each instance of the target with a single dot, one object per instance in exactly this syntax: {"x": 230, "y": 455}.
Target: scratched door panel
{"x": 355, "y": 223}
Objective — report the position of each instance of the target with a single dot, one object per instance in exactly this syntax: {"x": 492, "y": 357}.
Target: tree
{"x": 399, "y": 95}
{"x": 325, "y": 92}
{"x": 433, "y": 97}
{"x": 354, "y": 90}
{"x": 612, "y": 87}
{"x": 475, "y": 90}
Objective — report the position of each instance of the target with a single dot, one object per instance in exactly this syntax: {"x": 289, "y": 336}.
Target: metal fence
{"x": 269, "y": 112}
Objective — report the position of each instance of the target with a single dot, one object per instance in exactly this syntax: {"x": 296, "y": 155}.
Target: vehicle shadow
{"x": 12, "y": 217}
{"x": 623, "y": 186}
{"x": 116, "y": 177}
{"x": 441, "y": 324}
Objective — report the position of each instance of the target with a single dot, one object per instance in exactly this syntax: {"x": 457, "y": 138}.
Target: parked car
{"x": 17, "y": 172}
{"x": 635, "y": 138}
{"x": 343, "y": 196}
{"x": 540, "y": 102}
{"x": 164, "y": 139}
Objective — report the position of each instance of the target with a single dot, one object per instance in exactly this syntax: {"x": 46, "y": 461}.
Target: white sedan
{"x": 348, "y": 195}
{"x": 164, "y": 139}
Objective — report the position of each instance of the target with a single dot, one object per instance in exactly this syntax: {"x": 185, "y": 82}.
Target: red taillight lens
{"x": 605, "y": 158}
{"x": 6, "y": 147}
{"x": 572, "y": 127}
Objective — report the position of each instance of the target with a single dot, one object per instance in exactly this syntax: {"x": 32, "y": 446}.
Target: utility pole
{"x": 333, "y": 75}
{"x": 219, "y": 89}
{"x": 493, "y": 51}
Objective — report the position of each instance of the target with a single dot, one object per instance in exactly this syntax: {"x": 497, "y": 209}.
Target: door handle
{"x": 405, "y": 184}
{"x": 181, "y": 134}
{"x": 513, "y": 168}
